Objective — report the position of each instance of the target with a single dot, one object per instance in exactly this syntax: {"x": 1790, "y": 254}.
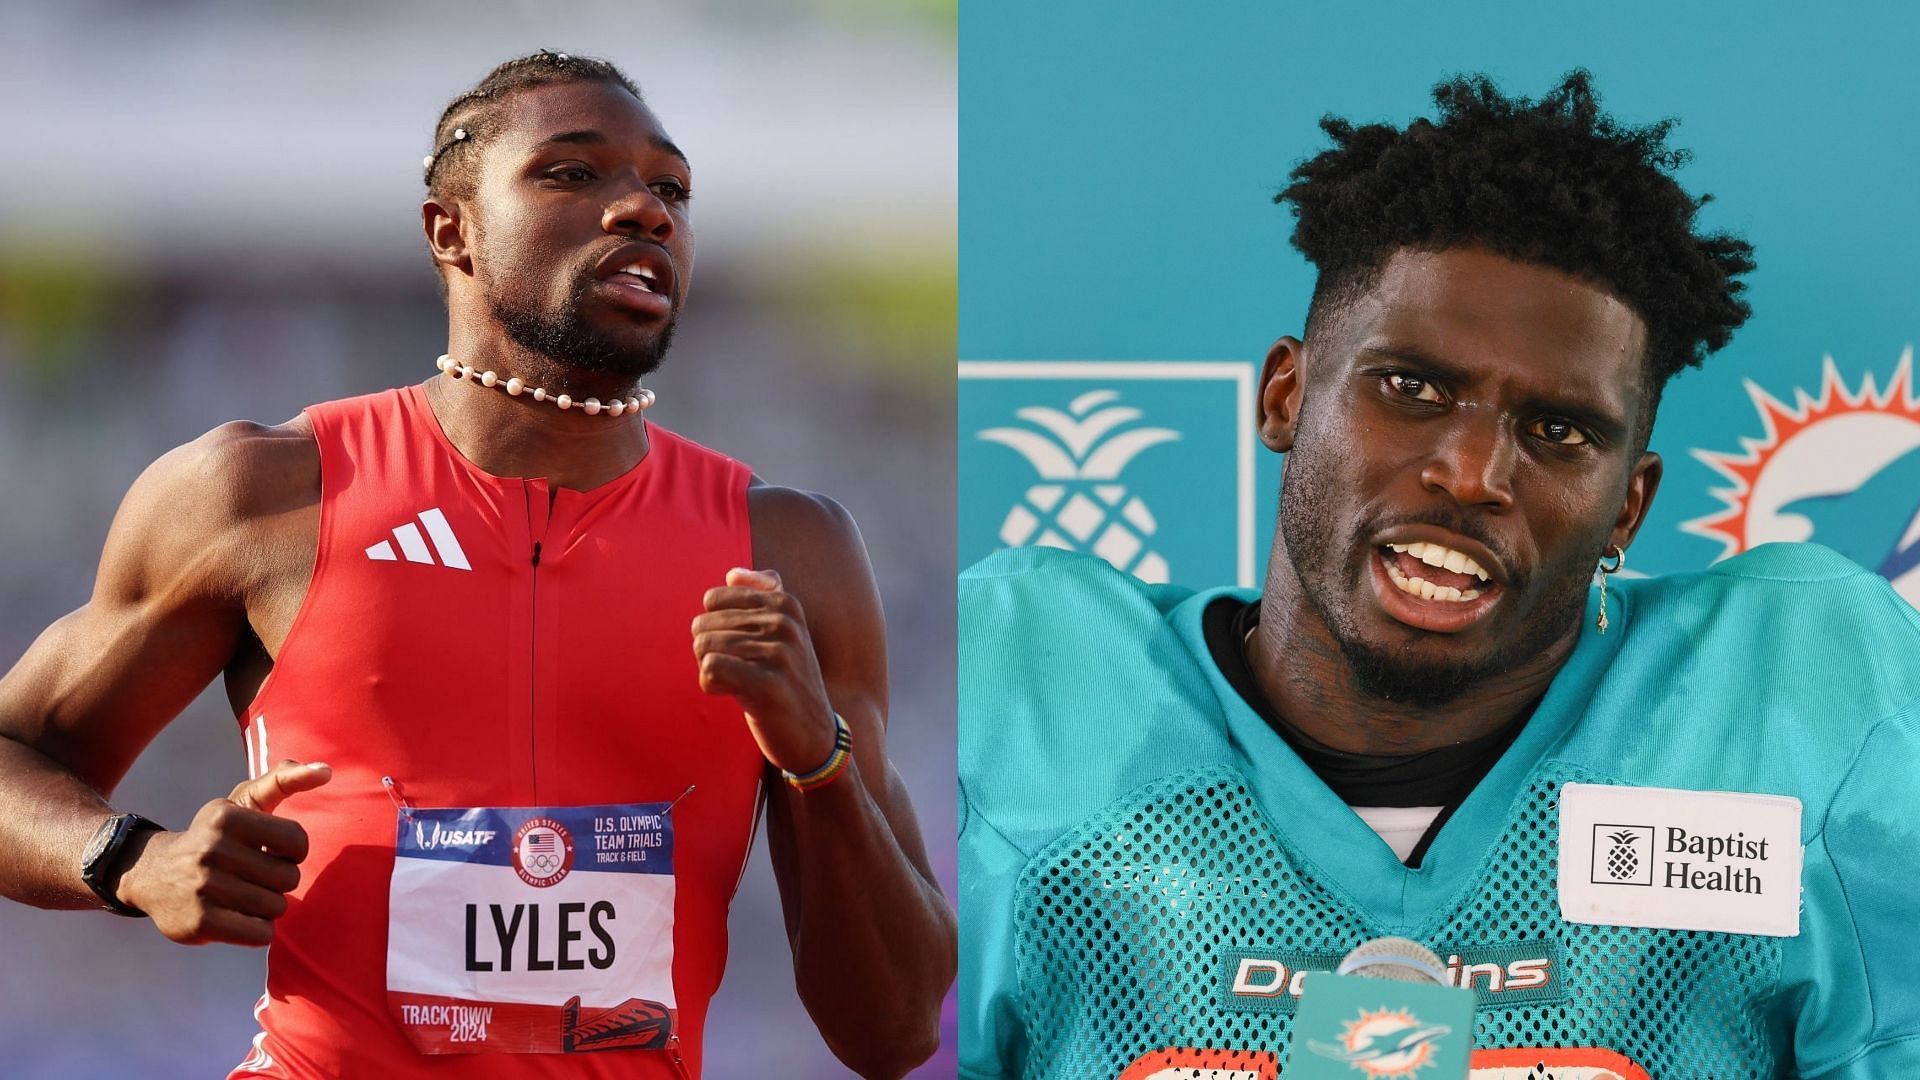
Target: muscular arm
{"x": 168, "y": 611}
{"x": 872, "y": 934}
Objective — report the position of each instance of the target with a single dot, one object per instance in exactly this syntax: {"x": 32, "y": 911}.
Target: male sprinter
{"x": 1663, "y": 829}
{"x": 499, "y": 634}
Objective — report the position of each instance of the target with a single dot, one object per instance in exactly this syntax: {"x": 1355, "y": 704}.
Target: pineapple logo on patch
{"x": 1622, "y": 861}
{"x": 1622, "y": 855}
{"x": 1841, "y": 469}
{"x": 1080, "y": 503}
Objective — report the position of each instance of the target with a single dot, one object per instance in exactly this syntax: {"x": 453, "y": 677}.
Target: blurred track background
{"x": 209, "y": 211}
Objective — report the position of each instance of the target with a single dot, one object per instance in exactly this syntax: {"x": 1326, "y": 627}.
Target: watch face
{"x": 97, "y": 865}
{"x": 101, "y": 840}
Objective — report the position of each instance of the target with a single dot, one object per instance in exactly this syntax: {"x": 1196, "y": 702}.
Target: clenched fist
{"x": 226, "y": 876}
{"x": 752, "y": 642}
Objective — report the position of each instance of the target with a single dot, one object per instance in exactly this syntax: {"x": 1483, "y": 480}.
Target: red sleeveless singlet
{"x": 491, "y": 642}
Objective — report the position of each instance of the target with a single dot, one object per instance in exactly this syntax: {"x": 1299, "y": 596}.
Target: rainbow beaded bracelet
{"x": 835, "y": 764}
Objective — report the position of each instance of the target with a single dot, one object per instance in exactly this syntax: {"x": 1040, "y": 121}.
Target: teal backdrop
{"x": 1122, "y": 261}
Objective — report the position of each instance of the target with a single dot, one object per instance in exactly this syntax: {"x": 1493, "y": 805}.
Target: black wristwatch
{"x": 100, "y": 864}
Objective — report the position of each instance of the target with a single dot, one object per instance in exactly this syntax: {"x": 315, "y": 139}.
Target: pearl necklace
{"x": 454, "y": 369}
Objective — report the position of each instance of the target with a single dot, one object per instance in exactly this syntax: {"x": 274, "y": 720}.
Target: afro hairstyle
{"x": 1556, "y": 183}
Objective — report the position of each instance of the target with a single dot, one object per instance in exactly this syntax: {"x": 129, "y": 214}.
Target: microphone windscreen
{"x": 1397, "y": 959}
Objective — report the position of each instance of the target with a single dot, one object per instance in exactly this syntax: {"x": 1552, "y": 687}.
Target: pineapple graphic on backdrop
{"x": 1622, "y": 862}
{"x": 1079, "y": 504}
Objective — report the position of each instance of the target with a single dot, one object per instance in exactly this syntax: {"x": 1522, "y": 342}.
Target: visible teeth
{"x": 1427, "y": 590}
{"x": 1441, "y": 556}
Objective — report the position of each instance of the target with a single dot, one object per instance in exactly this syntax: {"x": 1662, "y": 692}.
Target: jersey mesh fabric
{"x": 1130, "y": 822}
{"x": 1157, "y": 887}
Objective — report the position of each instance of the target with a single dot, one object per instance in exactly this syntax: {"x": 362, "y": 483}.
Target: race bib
{"x": 533, "y": 930}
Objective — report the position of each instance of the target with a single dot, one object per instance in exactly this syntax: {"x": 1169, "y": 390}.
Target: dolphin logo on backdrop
{"x": 1865, "y": 524}
{"x": 1841, "y": 469}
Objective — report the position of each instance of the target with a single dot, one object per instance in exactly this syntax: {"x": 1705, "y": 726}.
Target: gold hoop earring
{"x": 1619, "y": 561}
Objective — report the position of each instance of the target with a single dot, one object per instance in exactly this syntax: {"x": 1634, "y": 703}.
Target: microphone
{"x": 1396, "y": 959}
{"x": 1388, "y": 1010}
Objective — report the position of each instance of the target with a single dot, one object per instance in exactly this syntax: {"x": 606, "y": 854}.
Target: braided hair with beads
{"x": 468, "y": 120}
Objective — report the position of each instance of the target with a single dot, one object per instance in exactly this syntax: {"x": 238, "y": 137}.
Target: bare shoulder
{"x": 201, "y": 506}
{"x": 243, "y": 469}
{"x": 803, "y": 533}
{"x": 811, "y": 541}
{"x": 170, "y": 602}
{"x": 814, "y": 545}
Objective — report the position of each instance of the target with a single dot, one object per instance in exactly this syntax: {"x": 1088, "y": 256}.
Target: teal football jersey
{"x": 1145, "y": 867}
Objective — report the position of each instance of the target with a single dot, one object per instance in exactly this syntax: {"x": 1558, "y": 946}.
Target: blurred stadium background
{"x": 210, "y": 212}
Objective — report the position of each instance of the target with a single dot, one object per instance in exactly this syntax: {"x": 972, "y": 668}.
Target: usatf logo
{"x": 542, "y": 852}
{"x": 1841, "y": 469}
{"x": 439, "y": 837}
{"x": 1387, "y": 1042}
{"x": 1622, "y": 855}
{"x": 1148, "y": 466}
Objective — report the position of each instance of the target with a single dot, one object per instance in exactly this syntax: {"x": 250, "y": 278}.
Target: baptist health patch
{"x": 1670, "y": 859}
{"x": 533, "y": 930}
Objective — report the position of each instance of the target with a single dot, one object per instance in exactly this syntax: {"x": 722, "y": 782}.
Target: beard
{"x": 1406, "y": 671}
{"x": 566, "y": 339}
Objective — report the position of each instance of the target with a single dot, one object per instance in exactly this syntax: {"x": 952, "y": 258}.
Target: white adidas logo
{"x": 414, "y": 546}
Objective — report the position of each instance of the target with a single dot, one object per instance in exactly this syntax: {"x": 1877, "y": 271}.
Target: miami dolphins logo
{"x": 1841, "y": 469}
{"x": 1391, "y": 1042}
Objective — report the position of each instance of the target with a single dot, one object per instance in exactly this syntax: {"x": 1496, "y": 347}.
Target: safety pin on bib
{"x": 400, "y": 802}
{"x": 676, "y": 801}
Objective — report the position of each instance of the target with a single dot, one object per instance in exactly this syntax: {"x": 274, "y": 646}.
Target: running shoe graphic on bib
{"x": 533, "y": 930}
